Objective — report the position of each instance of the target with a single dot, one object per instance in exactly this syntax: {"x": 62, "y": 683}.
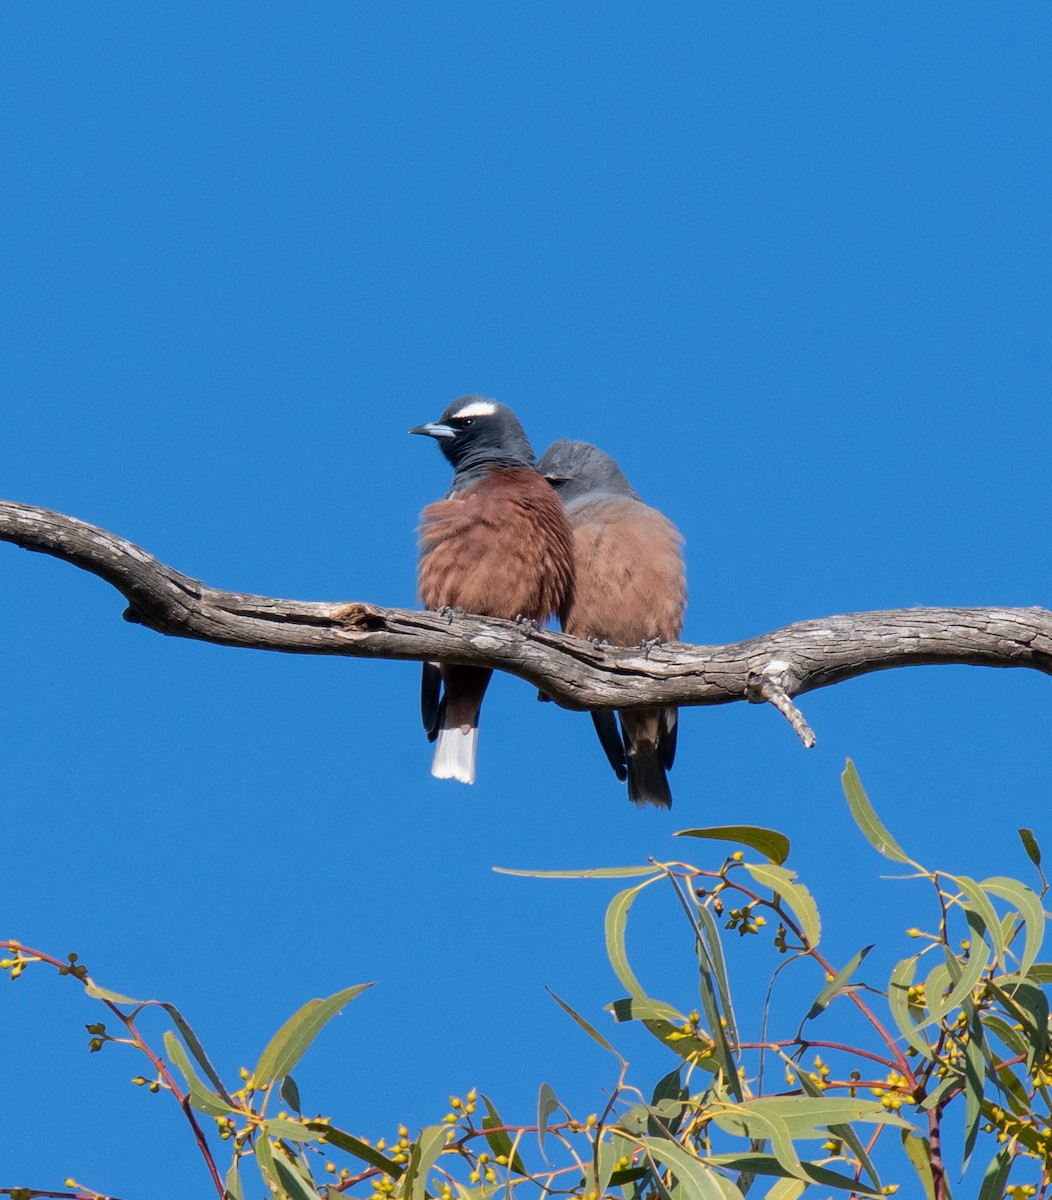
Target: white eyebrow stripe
{"x": 477, "y": 408}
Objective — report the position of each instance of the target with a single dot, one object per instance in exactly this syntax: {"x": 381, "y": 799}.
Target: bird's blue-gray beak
{"x": 435, "y": 429}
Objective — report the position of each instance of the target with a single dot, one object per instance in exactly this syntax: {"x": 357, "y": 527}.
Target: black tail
{"x": 647, "y": 783}
{"x": 610, "y": 738}
{"x": 432, "y": 702}
{"x": 669, "y": 727}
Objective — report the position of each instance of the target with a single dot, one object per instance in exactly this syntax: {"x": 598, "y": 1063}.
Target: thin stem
{"x": 34, "y": 1194}
{"x": 787, "y": 920}
{"x": 938, "y": 1167}
{"x": 68, "y": 968}
{"x": 808, "y": 1044}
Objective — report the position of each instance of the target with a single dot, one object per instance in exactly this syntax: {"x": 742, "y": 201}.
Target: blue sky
{"x": 789, "y": 264}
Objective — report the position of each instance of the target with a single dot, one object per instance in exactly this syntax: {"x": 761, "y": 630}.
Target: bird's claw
{"x": 528, "y": 622}
{"x": 598, "y": 642}
{"x": 648, "y": 644}
{"x": 449, "y": 613}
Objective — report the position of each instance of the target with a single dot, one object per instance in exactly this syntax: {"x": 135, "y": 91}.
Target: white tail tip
{"x": 455, "y": 754}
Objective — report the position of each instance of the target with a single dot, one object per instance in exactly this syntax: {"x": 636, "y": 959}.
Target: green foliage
{"x": 962, "y": 1028}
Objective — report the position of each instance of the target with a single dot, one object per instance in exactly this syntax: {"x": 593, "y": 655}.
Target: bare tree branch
{"x": 772, "y": 668}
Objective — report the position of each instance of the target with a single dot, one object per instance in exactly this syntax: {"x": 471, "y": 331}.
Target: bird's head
{"x": 475, "y": 434}
{"x": 577, "y": 469}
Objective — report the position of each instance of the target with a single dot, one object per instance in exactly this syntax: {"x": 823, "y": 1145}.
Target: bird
{"x": 497, "y": 545}
{"x": 629, "y": 589}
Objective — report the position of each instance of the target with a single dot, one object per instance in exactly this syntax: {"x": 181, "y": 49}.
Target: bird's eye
{"x": 466, "y": 421}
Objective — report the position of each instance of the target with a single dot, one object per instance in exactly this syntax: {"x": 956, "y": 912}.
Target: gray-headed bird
{"x": 629, "y": 589}
{"x": 497, "y": 545}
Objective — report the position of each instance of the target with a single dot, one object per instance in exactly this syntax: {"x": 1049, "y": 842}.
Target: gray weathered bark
{"x": 773, "y": 667}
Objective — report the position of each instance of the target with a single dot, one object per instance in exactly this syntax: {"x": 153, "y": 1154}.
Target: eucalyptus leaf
{"x": 601, "y": 1168}
{"x": 974, "y": 1078}
{"x": 592, "y": 1033}
{"x": 725, "y": 1054}
{"x": 292, "y": 1040}
{"x": 755, "y": 1163}
{"x": 770, "y": 843}
{"x": 348, "y": 1143}
{"x": 715, "y": 992}
{"x": 232, "y": 1183}
{"x": 584, "y": 873}
{"x": 710, "y": 958}
{"x": 968, "y": 975}
{"x": 936, "y": 995}
{"x": 290, "y": 1093}
{"x": 200, "y": 1097}
{"x": 667, "y": 1026}
{"x": 635, "y": 1119}
{"x": 499, "y": 1141}
{"x": 422, "y": 1155}
{"x": 1029, "y": 905}
{"x": 918, "y": 1151}
{"x": 1011, "y": 1037}
{"x": 292, "y": 1177}
{"x": 833, "y": 988}
{"x": 1033, "y": 850}
{"x": 669, "y": 1113}
{"x": 670, "y": 1087}
{"x": 686, "y": 1046}
{"x": 786, "y": 1189}
{"x": 616, "y": 921}
{"x": 798, "y": 898}
{"x": 811, "y": 1116}
{"x": 193, "y": 1044}
{"x": 1029, "y": 1005}
{"x": 629, "y": 1009}
{"x": 265, "y": 1163}
{"x": 867, "y": 820}
{"x": 898, "y": 992}
{"x": 1017, "y": 1096}
{"x": 744, "y": 1120}
{"x": 979, "y": 903}
{"x": 547, "y": 1103}
{"x": 945, "y": 1089}
{"x": 728, "y": 1189}
{"x": 98, "y": 993}
{"x": 630, "y": 1175}
{"x": 996, "y": 1177}
{"x": 291, "y": 1131}
{"x": 695, "y": 1180}
{"x": 846, "y": 1133}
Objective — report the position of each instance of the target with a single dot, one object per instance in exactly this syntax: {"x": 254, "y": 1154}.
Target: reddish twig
{"x": 183, "y": 1099}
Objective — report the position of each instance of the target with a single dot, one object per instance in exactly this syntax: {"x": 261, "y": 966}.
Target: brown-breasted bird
{"x": 497, "y": 545}
{"x": 630, "y": 588}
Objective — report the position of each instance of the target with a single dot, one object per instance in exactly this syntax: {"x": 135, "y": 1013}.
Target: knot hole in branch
{"x": 359, "y": 618}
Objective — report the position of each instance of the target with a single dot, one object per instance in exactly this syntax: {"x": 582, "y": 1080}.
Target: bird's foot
{"x": 598, "y": 642}
{"x": 449, "y": 613}
{"x": 528, "y": 623}
{"x": 648, "y": 644}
